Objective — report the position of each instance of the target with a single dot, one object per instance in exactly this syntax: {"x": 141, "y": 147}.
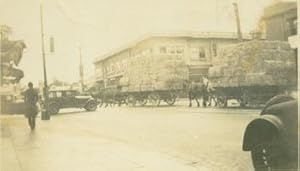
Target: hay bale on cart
{"x": 254, "y": 71}
{"x": 154, "y": 80}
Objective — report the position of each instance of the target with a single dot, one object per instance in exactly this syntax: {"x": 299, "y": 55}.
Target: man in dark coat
{"x": 31, "y": 99}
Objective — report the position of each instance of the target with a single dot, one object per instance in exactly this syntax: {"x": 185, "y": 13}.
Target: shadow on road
{"x": 75, "y": 112}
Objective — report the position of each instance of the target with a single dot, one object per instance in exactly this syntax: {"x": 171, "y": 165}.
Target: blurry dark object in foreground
{"x": 273, "y": 137}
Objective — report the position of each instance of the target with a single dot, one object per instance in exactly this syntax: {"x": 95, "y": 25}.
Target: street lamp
{"x": 45, "y": 114}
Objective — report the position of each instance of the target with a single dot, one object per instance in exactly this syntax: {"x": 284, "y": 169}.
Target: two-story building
{"x": 194, "y": 50}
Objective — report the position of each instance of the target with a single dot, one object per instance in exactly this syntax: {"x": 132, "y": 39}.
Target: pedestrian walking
{"x": 31, "y": 99}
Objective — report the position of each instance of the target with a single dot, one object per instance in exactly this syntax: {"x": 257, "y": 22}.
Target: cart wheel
{"x": 171, "y": 99}
{"x": 154, "y": 99}
{"x": 142, "y": 101}
{"x": 222, "y": 101}
{"x": 131, "y": 100}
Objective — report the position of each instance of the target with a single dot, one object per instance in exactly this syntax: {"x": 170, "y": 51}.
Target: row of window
{"x": 115, "y": 68}
{"x": 292, "y": 26}
{"x": 62, "y": 94}
{"x": 197, "y": 54}
{"x": 172, "y": 50}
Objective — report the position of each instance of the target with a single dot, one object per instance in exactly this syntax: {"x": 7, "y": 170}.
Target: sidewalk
{"x": 59, "y": 146}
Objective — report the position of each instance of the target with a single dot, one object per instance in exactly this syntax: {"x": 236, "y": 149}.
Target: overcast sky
{"x": 99, "y": 26}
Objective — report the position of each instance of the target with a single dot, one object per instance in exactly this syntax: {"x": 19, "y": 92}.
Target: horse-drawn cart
{"x": 145, "y": 94}
{"x": 152, "y": 98}
{"x": 253, "y": 72}
{"x": 145, "y": 79}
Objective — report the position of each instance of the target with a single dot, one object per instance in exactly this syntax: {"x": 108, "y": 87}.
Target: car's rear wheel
{"x": 91, "y": 106}
{"x": 53, "y": 108}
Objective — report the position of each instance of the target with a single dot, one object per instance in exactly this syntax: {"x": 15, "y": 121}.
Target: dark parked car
{"x": 272, "y": 138}
{"x": 59, "y": 99}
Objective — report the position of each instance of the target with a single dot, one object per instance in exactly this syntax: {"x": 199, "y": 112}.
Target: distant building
{"x": 196, "y": 50}
{"x": 89, "y": 82}
{"x": 280, "y": 21}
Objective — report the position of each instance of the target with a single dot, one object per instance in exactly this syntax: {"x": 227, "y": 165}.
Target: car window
{"x": 70, "y": 93}
{"x": 58, "y": 94}
{"x": 51, "y": 95}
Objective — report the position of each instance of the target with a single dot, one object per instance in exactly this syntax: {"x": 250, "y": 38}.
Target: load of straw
{"x": 254, "y": 63}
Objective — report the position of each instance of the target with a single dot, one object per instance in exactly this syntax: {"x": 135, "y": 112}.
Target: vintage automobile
{"x": 59, "y": 99}
{"x": 272, "y": 138}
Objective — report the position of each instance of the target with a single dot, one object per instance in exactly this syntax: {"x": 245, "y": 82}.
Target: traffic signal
{"x": 272, "y": 138}
{"x": 52, "y": 45}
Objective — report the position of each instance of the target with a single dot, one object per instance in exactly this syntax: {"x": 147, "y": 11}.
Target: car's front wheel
{"x": 91, "y": 106}
{"x": 53, "y": 108}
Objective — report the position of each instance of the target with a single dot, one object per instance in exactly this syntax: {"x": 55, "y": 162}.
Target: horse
{"x": 105, "y": 98}
{"x": 217, "y": 96}
{"x": 197, "y": 92}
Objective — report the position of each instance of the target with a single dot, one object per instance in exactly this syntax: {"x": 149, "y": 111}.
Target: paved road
{"x": 141, "y": 138}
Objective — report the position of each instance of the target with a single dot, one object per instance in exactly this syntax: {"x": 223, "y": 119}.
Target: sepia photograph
{"x": 149, "y": 85}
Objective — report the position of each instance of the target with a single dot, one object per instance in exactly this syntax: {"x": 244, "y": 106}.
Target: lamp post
{"x": 1, "y": 76}
{"x": 1, "y": 68}
{"x": 81, "y": 70}
{"x": 45, "y": 114}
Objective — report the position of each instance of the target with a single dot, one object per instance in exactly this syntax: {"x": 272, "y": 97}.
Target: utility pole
{"x": 81, "y": 70}
{"x": 1, "y": 76}
{"x": 45, "y": 114}
{"x": 238, "y": 24}
{"x": 1, "y": 57}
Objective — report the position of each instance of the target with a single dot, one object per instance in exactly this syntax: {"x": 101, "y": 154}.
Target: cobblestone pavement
{"x": 128, "y": 138}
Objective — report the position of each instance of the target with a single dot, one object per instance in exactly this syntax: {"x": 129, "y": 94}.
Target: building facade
{"x": 280, "y": 20}
{"x": 194, "y": 52}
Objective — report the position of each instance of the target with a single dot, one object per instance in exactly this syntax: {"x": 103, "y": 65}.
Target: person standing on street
{"x": 31, "y": 99}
